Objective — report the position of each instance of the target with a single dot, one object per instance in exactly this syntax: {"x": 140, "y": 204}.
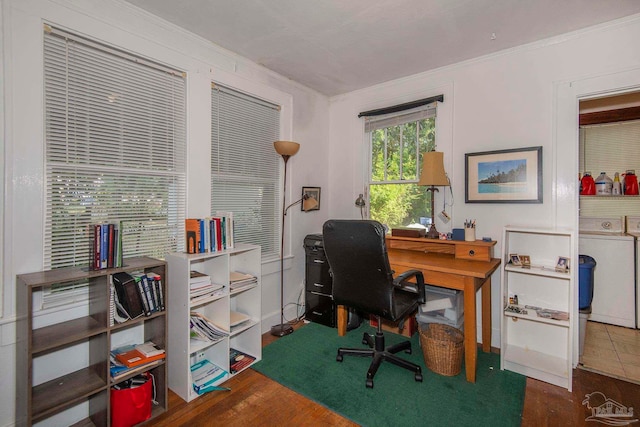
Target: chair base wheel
{"x": 369, "y": 383}
{"x": 418, "y": 378}
{"x": 339, "y": 358}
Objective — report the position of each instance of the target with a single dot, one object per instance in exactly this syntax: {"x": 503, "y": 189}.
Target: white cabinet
{"x": 219, "y": 309}
{"x": 538, "y": 331}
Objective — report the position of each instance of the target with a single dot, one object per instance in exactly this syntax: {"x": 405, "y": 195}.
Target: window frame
{"x": 396, "y": 119}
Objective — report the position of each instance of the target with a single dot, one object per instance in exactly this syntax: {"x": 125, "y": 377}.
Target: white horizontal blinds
{"x": 245, "y": 167}
{"x": 394, "y": 119}
{"x": 610, "y": 148}
{"x": 115, "y": 150}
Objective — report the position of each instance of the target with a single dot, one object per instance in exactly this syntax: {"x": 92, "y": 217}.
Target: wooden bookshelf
{"x": 90, "y": 336}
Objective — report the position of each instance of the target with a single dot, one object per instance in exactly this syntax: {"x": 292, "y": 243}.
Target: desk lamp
{"x": 433, "y": 175}
{"x": 287, "y": 149}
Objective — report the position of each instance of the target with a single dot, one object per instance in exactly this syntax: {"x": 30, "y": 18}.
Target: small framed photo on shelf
{"x": 514, "y": 259}
{"x": 563, "y": 264}
{"x": 525, "y": 260}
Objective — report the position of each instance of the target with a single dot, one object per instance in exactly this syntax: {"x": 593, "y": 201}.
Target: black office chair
{"x": 363, "y": 279}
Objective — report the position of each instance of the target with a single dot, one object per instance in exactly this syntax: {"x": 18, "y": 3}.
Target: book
{"x": 111, "y": 231}
{"x": 96, "y": 247}
{"x": 218, "y": 232}
{"x": 201, "y": 245}
{"x": 128, "y": 295}
{"x": 157, "y": 285}
{"x": 205, "y": 375}
{"x": 133, "y": 358}
{"x": 192, "y": 230}
{"x": 239, "y": 360}
{"x": 104, "y": 245}
{"x": 148, "y": 293}
{"x": 195, "y": 278}
{"x": 143, "y": 297}
{"x": 149, "y": 349}
{"x": 227, "y": 221}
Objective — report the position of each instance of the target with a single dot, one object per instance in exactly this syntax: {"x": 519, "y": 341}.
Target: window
{"x": 397, "y": 141}
{"x": 114, "y": 151}
{"x": 245, "y": 177}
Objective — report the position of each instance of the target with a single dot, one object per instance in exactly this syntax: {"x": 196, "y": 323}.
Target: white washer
{"x": 614, "y": 295}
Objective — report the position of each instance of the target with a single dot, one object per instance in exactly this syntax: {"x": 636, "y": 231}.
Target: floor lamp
{"x": 433, "y": 174}
{"x": 287, "y": 149}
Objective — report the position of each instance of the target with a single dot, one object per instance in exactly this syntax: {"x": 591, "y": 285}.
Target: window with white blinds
{"x": 245, "y": 169}
{"x": 114, "y": 151}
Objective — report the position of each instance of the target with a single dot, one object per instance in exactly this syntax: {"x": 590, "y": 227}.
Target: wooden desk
{"x": 466, "y": 266}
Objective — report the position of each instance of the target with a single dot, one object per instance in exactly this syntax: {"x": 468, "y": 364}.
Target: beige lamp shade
{"x": 309, "y": 203}
{"x": 286, "y": 148}
{"x": 433, "y": 169}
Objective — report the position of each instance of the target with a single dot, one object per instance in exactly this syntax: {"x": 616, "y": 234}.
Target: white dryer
{"x": 614, "y": 295}
{"x": 633, "y": 229}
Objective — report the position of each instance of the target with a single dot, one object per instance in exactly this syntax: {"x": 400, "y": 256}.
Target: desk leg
{"x": 342, "y": 320}
{"x": 470, "y": 345}
{"x": 486, "y": 315}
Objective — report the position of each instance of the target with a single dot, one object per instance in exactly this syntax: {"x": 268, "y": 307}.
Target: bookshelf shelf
{"x": 62, "y": 364}
{"x": 244, "y": 336}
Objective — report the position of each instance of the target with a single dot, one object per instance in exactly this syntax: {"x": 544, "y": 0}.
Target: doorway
{"x": 607, "y": 126}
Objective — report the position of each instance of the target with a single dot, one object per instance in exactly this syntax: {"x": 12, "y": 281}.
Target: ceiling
{"x": 337, "y": 46}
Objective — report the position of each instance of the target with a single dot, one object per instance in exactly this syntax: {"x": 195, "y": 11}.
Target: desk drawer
{"x": 473, "y": 252}
{"x": 425, "y": 246}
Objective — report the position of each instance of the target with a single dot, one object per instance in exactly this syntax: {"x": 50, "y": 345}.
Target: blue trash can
{"x": 585, "y": 279}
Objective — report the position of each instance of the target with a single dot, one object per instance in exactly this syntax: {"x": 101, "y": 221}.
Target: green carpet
{"x": 305, "y": 361}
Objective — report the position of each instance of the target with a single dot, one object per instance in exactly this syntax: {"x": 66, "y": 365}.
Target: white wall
{"x": 506, "y": 100}
{"x": 305, "y": 119}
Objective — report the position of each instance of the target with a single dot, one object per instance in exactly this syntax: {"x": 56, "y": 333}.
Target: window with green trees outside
{"x": 395, "y": 198}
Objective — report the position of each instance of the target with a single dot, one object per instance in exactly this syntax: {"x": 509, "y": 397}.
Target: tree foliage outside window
{"x": 395, "y": 199}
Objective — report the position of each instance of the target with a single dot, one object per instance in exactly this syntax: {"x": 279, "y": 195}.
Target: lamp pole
{"x": 282, "y": 329}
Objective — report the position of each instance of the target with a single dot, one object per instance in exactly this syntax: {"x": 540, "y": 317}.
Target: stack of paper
{"x": 203, "y": 329}
{"x": 201, "y": 287}
{"x": 238, "y": 280}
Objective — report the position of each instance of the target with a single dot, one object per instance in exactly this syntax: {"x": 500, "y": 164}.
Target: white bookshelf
{"x": 533, "y": 344}
{"x": 245, "y": 337}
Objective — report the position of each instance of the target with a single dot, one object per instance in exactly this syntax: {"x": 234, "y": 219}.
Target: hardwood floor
{"x": 258, "y": 401}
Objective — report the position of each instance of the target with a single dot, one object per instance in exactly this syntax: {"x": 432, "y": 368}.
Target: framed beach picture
{"x": 504, "y": 176}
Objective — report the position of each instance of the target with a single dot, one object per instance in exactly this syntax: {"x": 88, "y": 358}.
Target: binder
{"x": 128, "y": 295}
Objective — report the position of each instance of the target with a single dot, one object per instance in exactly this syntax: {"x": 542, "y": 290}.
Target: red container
{"x": 588, "y": 185}
{"x": 630, "y": 183}
{"x": 130, "y": 406}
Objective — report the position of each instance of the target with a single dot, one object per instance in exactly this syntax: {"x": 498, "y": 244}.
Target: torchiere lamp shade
{"x": 286, "y": 148}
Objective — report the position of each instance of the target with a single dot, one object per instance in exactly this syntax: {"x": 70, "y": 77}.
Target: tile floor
{"x": 612, "y": 350}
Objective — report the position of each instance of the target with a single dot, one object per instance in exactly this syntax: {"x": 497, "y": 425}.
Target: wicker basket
{"x": 443, "y": 348}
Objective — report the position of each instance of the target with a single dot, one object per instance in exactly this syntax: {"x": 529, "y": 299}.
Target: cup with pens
{"x": 470, "y": 230}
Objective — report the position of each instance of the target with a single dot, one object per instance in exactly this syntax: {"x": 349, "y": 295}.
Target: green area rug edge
{"x": 495, "y": 399}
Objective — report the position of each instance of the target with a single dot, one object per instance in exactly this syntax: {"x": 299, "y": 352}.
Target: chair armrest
{"x": 402, "y": 281}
